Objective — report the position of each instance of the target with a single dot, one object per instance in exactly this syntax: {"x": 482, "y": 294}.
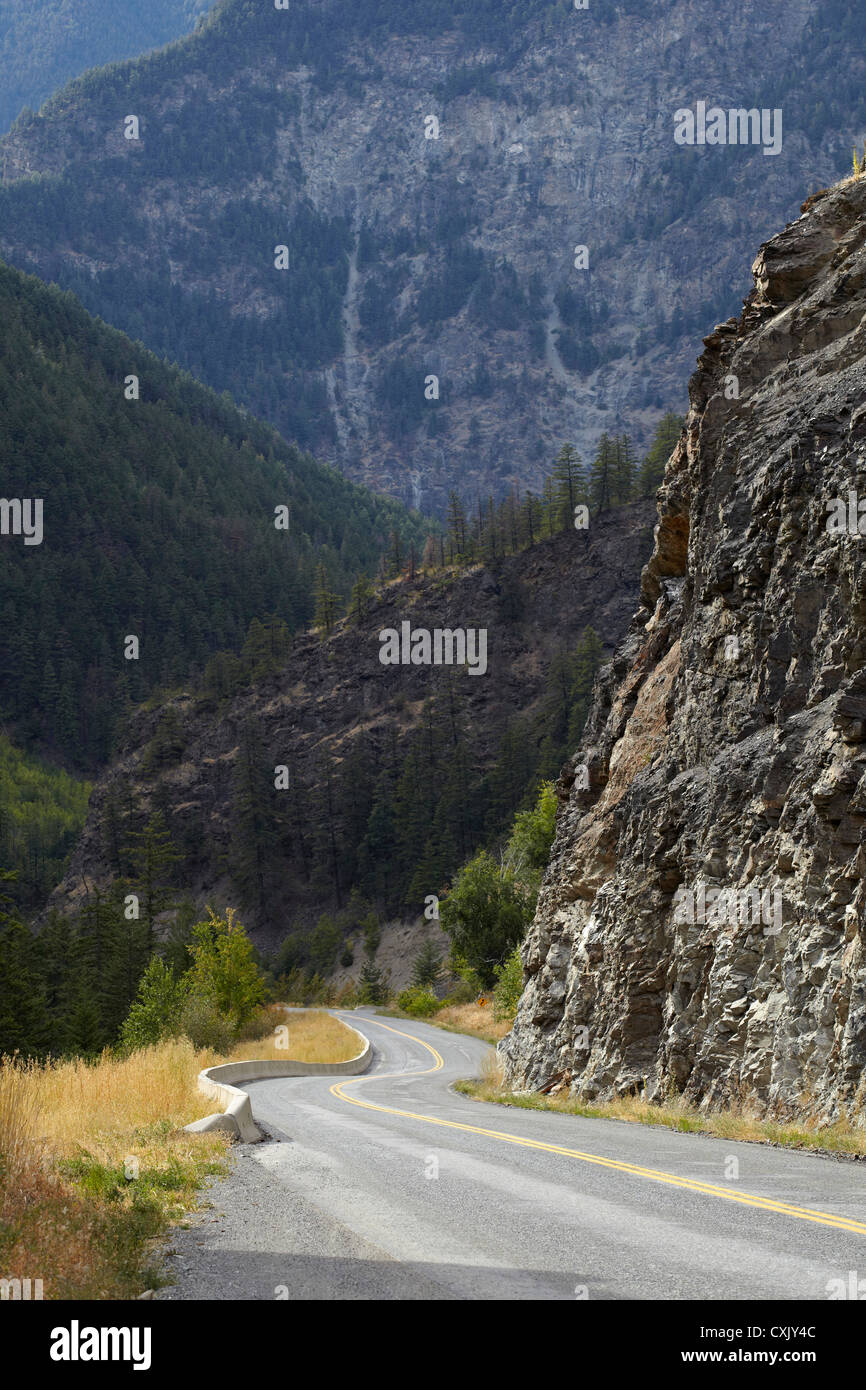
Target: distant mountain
{"x": 432, "y": 168}
{"x": 44, "y": 43}
{"x": 157, "y": 522}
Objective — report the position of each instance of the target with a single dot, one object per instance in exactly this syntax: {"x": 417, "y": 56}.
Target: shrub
{"x": 418, "y": 1002}
{"x": 205, "y": 1026}
{"x": 509, "y": 986}
{"x": 464, "y": 993}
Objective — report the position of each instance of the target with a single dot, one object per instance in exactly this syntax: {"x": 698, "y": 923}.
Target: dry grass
{"x": 470, "y": 1018}
{"x": 740, "y": 1121}
{"x": 312, "y": 1036}
{"x": 94, "y": 1160}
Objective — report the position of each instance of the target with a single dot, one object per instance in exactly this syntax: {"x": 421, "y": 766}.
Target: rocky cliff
{"x": 700, "y": 927}
{"x": 432, "y": 171}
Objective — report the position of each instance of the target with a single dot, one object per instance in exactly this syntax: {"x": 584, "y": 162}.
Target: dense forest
{"x": 159, "y": 522}
{"x": 44, "y": 43}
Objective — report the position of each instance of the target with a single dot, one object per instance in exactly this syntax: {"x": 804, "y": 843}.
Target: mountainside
{"x": 431, "y": 171}
{"x": 700, "y": 927}
{"x": 44, "y": 43}
{"x": 391, "y": 774}
{"x": 137, "y": 504}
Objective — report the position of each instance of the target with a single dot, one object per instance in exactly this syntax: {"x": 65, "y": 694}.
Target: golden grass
{"x": 94, "y": 1160}
{"x": 470, "y": 1018}
{"x": 740, "y": 1121}
{"x": 311, "y": 1036}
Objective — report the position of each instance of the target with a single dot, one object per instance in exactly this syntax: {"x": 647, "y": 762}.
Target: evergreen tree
{"x": 372, "y": 986}
{"x": 653, "y": 467}
{"x": 360, "y": 603}
{"x": 152, "y": 856}
{"x": 327, "y": 603}
{"x": 623, "y": 471}
{"x": 427, "y": 968}
{"x": 588, "y": 656}
{"x": 602, "y": 475}
{"x": 23, "y": 1015}
{"x": 457, "y": 529}
{"x": 569, "y": 486}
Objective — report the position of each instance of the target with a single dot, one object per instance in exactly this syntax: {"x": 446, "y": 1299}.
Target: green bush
{"x": 509, "y": 986}
{"x": 418, "y": 1002}
{"x": 464, "y": 993}
{"x": 157, "y": 1011}
{"x": 205, "y": 1026}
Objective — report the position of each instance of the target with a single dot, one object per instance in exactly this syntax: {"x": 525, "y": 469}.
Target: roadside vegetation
{"x": 95, "y": 1164}
{"x": 739, "y": 1121}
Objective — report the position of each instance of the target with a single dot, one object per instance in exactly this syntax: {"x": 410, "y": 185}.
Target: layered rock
{"x": 725, "y": 750}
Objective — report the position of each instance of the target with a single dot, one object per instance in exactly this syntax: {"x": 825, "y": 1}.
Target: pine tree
{"x": 653, "y": 467}
{"x": 457, "y": 532}
{"x": 624, "y": 470}
{"x": 327, "y": 603}
{"x": 256, "y": 822}
{"x": 152, "y": 856}
{"x": 372, "y": 987}
{"x": 602, "y": 475}
{"x": 588, "y": 656}
{"x": 427, "y": 968}
{"x": 22, "y": 1001}
{"x": 568, "y": 486}
{"x": 395, "y": 562}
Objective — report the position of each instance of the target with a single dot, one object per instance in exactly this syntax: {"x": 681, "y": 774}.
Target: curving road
{"x": 393, "y": 1186}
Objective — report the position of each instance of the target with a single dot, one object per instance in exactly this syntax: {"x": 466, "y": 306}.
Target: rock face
{"x": 726, "y": 747}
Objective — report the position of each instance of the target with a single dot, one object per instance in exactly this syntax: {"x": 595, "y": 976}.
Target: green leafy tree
{"x": 156, "y": 1012}
{"x": 530, "y": 841}
{"x": 324, "y": 944}
{"x": 509, "y": 985}
{"x": 485, "y": 914}
{"x": 224, "y": 969}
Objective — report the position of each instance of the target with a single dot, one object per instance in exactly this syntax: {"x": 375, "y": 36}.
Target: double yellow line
{"x": 707, "y": 1189}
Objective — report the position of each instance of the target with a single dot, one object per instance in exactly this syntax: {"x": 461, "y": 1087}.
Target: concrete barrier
{"x": 237, "y": 1114}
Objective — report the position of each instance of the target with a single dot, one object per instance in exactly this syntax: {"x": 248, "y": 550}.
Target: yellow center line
{"x": 822, "y": 1218}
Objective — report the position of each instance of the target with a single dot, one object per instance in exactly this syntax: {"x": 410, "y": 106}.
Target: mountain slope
{"x": 701, "y": 922}
{"x": 158, "y": 522}
{"x": 452, "y": 256}
{"x": 393, "y": 775}
{"x": 44, "y": 43}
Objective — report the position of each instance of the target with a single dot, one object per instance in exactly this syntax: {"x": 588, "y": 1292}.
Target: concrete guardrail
{"x": 237, "y": 1114}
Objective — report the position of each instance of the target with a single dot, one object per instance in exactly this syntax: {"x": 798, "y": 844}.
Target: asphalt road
{"x": 393, "y": 1186}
